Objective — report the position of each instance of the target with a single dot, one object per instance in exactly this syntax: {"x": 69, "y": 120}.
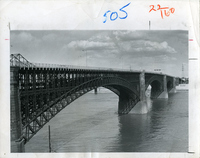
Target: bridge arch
{"x": 156, "y": 83}
{"x": 35, "y": 120}
{"x": 39, "y": 92}
{"x": 156, "y": 88}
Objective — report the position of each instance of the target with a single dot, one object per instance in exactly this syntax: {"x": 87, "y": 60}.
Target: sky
{"x": 122, "y": 49}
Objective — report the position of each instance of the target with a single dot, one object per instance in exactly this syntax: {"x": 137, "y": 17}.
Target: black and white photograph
{"x": 99, "y": 91}
{"x": 99, "y": 79}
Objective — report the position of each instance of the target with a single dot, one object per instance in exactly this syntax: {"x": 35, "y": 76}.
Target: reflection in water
{"x": 91, "y": 124}
{"x": 163, "y": 129}
{"x": 133, "y": 131}
{"x": 143, "y": 107}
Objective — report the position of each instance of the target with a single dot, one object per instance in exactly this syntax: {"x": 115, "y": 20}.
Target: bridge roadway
{"x": 39, "y": 92}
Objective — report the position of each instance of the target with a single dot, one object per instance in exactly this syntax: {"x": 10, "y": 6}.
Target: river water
{"x": 91, "y": 124}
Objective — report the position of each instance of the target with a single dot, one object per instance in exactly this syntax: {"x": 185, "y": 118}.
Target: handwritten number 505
{"x": 114, "y": 15}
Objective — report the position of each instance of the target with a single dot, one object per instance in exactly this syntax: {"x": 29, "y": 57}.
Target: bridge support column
{"x": 141, "y": 107}
{"x": 95, "y": 90}
{"x": 17, "y": 144}
{"x": 142, "y": 87}
{"x": 164, "y": 94}
{"x": 173, "y": 90}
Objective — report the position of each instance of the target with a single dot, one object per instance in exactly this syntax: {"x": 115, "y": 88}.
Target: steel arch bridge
{"x": 40, "y": 91}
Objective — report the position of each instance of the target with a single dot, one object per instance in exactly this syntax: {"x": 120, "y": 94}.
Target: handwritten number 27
{"x": 114, "y": 15}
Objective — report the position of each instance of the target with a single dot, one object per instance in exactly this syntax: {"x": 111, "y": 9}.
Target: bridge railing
{"x": 20, "y": 61}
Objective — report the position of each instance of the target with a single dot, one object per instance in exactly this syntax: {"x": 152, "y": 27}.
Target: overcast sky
{"x": 136, "y": 50}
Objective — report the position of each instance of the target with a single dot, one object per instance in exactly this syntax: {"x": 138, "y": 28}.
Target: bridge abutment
{"x": 173, "y": 90}
{"x": 17, "y": 144}
{"x": 95, "y": 90}
{"x": 142, "y": 87}
{"x": 164, "y": 94}
{"x": 141, "y": 107}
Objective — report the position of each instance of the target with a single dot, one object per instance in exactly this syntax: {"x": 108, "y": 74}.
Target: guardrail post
{"x": 17, "y": 142}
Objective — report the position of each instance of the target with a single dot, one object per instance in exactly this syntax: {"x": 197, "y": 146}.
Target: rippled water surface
{"x": 91, "y": 124}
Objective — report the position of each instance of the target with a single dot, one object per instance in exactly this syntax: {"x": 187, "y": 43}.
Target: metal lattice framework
{"x": 46, "y": 89}
{"x": 38, "y": 109}
{"x": 19, "y": 61}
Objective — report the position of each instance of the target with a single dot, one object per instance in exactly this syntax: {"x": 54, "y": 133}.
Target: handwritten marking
{"x": 114, "y": 15}
{"x": 167, "y": 10}
{"x": 106, "y": 16}
{"x": 6, "y": 39}
{"x": 190, "y": 39}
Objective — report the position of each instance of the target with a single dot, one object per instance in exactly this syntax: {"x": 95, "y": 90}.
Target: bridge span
{"x": 40, "y": 91}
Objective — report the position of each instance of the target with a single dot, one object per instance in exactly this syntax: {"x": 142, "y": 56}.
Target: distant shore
{"x": 182, "y": 87}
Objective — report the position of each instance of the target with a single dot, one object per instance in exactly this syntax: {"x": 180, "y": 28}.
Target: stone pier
{"x": 141, "y": 107}
{"x": 164, "y": 94}
{"x": 17, "y": 144}
{"x": 95, "y": 91}
{"x": 173, "y": 90}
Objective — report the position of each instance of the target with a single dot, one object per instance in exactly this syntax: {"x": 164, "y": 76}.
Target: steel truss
{"x": 45, "y": 92}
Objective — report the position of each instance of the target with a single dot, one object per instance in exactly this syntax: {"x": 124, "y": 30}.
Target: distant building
{"x": 184, "y": 80}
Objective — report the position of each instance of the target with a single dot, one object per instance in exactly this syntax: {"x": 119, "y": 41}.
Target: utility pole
{"x": 149, "y": 25}
{"x": 49, "y": 140}
{"x": 183, "y": 75}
